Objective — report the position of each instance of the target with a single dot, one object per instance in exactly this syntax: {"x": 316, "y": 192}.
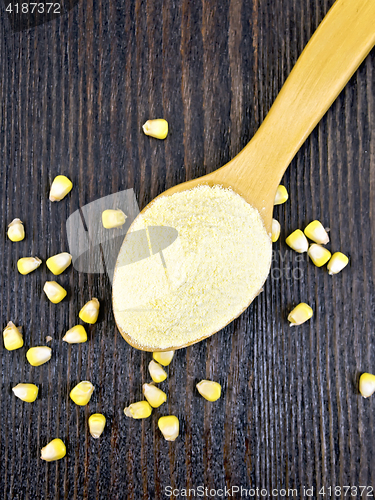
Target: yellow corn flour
{"x": 199, "y": 283}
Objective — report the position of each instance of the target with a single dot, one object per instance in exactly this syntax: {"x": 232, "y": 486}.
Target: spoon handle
{"x": 339, "y": 45}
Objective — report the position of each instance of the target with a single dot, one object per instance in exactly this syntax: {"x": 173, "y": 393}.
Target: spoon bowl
{"x": 342, "y": 41}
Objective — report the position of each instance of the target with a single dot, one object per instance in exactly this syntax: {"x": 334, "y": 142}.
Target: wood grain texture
{"x": 74, "y": 94}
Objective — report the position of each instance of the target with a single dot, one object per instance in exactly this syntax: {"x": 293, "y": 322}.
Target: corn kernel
{"x": 155, "y": 396}
{"x": 164, "y": 358}
{"x": 58, "y": 263}
{"x": 48, "y": 338}
{"x": 316, "y": 232}
{"x": 281, "y": 195}
{"x": 82, "y": 392}
{"x": 60, "y": 187}
{"x": 300, "y": 314}
{"x": 90, "y": 311}
{"x": 169, "y": 426}
{"x": 275, "y": 230}
{"x": 337, "y": 263}
{"x": 28, "y": 264}
{"x": 367, "y": 384}
{"x": 76, "y": 335}
{"x": 156, "y": 371}
{"x": 54, "y": 291}
{"x": 96, "y": 424}
{"x": 53, "y": 451}
{"x": 16, "y": 231}
{"x": 297, "y": 241}
{"x": 37, "y": 356}
{"x": 113, "y": 218}
{"x": 142, "y": 409}
{"x": 209, "y": 390}
{"x": 156, "y": 128}
{"x": 12, "y": 337}
{"x": 318, "y": 254}
{"x": 26, "y": 392}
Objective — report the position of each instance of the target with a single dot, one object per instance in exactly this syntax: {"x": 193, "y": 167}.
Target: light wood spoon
{"x": 342, "y": 41}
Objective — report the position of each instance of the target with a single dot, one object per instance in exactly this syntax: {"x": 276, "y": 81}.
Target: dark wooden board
{"x": 74, "y": 95}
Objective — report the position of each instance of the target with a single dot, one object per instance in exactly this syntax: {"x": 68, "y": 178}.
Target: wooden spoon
{"x": 339, "y": 45}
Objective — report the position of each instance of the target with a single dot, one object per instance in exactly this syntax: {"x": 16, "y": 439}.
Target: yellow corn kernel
{"x": 26, "y": 392}
{"x": 113, "y": 218}
{"x": 53, "y": 451}
{"x": 318, "y": 254}
{"x": 169, "y": 426}
{"x": 96, "y": 424}
{"x": 16, "y": 231}
{"x": 76, "y": 335}
{"x": 90, "y": 311}
{"x": 58, "y": 263}
{"x": 297, "y": 241}
{"x": 337, "y": 263}
{"x": 156, "y": 371}
{"x": 164, "y": 358}
{"x": 367, "y": 384}
{"x": 316, "y": 232}
{"x": 60, "y": 187}
{"x": 82, "y": 392}
{"x": 156, "y": 128}
{"x": 142, "y": 409}
{"x": 275, "y": 230}
{"x": 54, "y": 291}
{"x": 300, "y": 314}
{"x": 209, "y": 390}
{"x": 28, "y": 264}
{"x": 37, "y": 356}
{"x": 281, "y": 195}
{"x": 155, "y": 396}
{"x": 12, "y": 337}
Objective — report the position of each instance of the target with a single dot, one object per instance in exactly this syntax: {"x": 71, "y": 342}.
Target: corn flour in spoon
{"x": 210, "y": 273}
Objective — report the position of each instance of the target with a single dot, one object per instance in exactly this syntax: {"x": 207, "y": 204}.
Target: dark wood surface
{"x": 74, "y": 95}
